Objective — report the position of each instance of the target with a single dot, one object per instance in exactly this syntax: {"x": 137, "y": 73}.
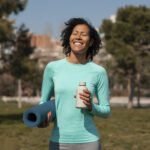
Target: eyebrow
{"x": 81, "y": 32}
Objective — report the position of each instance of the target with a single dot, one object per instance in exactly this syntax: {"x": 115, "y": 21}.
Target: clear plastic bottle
{"x": 79, "y": 101}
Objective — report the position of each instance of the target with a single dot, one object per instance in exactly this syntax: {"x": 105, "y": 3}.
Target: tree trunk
{"x": 0, "y": 51}
{"x": 138, "y": 97}
{"x": 130, "y": 91}
{"x": 37, "y": 93}
{"x": 138, "y": 90}
{"x": 19, "y": 93}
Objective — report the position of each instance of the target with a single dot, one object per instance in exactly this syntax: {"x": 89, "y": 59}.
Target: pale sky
{"x": 42, "y": 16}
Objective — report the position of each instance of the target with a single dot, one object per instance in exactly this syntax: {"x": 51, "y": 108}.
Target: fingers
{"x": 87, "y": 92}
{"x": 46, "y": 123}
{"x": 49, "y": 116}
{"x": 85, "y": 95}
{"x": 88, "y": 104}
{"x": 85, "y": 98}
{"x": 87, "y": 101}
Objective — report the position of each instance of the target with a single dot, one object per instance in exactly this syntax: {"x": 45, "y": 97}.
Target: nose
{"x": 78, "y": 36}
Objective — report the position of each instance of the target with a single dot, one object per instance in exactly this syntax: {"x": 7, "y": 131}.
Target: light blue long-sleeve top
{"x": 74, "y": 125}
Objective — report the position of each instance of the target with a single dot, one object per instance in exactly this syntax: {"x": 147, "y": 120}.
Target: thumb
{"x": 49, "y": 116}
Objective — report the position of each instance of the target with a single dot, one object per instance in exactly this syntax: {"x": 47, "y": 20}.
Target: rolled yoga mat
{"x": 34, "y": 116}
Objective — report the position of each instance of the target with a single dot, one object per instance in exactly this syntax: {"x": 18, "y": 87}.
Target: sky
{"x": 48, "y": 16}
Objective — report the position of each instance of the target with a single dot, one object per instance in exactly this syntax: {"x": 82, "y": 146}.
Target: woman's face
{"x": 80, "y": 39}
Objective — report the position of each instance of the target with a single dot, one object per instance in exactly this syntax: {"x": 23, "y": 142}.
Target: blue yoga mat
{"x": 34, "y": 116}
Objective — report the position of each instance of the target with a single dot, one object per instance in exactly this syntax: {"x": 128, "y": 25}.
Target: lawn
{"x": 123, "y": 130}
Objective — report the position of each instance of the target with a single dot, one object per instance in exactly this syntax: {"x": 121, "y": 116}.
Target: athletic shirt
{"x": 75, "y": 125}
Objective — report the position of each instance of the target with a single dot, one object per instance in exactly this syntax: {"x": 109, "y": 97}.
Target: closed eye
{"x": 74, "y": 33}
{"x": 84, "y": 34}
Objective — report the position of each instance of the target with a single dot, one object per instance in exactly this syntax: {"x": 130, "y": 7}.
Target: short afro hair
{"x": 67, "y": 31}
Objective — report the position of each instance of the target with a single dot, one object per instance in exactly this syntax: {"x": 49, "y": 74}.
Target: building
{"x": 46, "y": 49}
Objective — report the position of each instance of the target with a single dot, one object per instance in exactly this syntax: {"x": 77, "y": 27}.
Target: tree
{"x": 8, "y": 7}
{"x": 19, "y": 58}
{"x": 128, "y": 40}
{"x": 15, "y": 47}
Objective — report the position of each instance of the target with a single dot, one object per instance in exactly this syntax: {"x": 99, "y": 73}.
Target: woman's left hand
{"x": 86, "y": 96}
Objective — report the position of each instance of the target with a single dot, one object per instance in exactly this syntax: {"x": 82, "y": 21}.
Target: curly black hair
{"x": 65, "y": 36}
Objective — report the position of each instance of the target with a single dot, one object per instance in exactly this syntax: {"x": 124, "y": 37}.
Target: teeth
{"x": 77, "y": 43}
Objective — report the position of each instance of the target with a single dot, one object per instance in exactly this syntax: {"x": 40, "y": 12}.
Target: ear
{"x": 91, "y": 42}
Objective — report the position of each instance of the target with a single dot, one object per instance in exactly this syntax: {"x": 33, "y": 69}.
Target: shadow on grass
{"x": 10, "y": 118}
{"x": 146, "y": 106}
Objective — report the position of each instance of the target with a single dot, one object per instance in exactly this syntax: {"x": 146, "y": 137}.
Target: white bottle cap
{"x": 82, "y": 83}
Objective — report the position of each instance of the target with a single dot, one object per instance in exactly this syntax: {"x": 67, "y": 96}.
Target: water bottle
{"x": 79, "y": 101}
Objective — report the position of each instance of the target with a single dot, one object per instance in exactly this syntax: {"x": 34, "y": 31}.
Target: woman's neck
{"x": 77, "y": 59}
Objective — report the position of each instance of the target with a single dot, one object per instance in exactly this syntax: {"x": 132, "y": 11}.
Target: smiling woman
{"x": 80, "y": 31}
{"x": 74, "y": 127}
{"x": 80, "y": 39}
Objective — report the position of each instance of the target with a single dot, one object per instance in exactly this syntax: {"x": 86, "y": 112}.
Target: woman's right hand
{"x": 46, "y": 123}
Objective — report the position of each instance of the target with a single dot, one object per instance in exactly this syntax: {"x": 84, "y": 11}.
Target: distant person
{"x": 74, "y": 128}
{"x": 27, "y": 92}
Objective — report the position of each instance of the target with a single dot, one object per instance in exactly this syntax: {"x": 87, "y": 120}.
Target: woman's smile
{"x": 80, "y": 38}
{"x": 78, "y": 43}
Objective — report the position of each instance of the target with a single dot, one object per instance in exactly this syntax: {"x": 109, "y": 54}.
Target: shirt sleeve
{"x": 47, "y": 84}
{"x": 102, "y": 109}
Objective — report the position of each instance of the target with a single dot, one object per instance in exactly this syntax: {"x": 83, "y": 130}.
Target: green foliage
{"x": 139, "y": 21}
{"x": 17, "y": 41}
{"x": 8, "y": 7}
{"x": 21, "y": 52}
{"x": 21, "y": 66}
{"x": 107, "y": 28}
{"x": 128, "y": 39}
{"x": 5, "y": 31}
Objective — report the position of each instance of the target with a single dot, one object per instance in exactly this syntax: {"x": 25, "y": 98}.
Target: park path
{"x": 123, "y": 101}
{"x": 114, "y": 101}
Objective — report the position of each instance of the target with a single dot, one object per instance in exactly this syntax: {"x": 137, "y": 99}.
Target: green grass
{"x": 123, "y": 130}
